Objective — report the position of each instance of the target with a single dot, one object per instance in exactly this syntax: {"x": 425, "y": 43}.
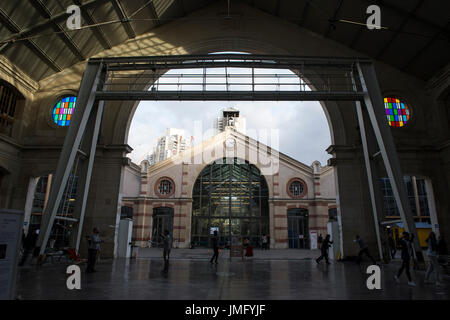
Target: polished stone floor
{"x": 192, "y": 277}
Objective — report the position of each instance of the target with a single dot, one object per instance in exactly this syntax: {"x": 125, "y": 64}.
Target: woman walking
{"x": 406, "y": 260}
{"x": 432, "y": 255}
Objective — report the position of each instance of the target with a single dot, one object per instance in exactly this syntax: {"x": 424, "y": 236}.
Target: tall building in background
{"x": 170, "y": 144}
{"x": 229, "y": 117}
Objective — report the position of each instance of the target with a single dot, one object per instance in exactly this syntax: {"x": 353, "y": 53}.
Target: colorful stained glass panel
{"x": 63, "y": 110}
{"x": 397, "y": 112}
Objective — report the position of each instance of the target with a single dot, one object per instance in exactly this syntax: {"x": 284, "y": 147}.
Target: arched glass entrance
{"x": 231, "y": 197}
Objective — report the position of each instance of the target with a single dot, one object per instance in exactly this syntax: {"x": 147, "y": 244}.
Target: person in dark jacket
{"x": 392, "y": 248}
{"x": 442, "y": 246}
{"x": 94, "y": 247}
{"x": 215, "y": 246}
{"x": 363, "y": 249}
{"x": 324, "y": 249}
{"x": 28, "y": 245}
{"x": 406, "y": 259}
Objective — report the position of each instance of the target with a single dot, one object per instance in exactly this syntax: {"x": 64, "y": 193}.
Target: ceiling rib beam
{"x": 400, "y": 11}
{"x": 277, "y": 8}
{"x": 423, "y": 49}
{"x": 59, "y": 18}
{"x": 396, "y": 34}
{"x": 43, "y": 10}
{"x": 154, "y": 14}
{"x": 301, "y": 23}
{"x": 181, "y": 5}
{"x": 30, "y": 44}
{"x": 98, "y": 32}
{"x": 124, "y": 18}
{"x": 333, "y": 20}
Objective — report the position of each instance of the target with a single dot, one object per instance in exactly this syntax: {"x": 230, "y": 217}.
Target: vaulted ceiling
{"x": 34, "y": 36}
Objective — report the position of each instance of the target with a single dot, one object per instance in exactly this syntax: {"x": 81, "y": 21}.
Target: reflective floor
{"x": 197, "y": 279}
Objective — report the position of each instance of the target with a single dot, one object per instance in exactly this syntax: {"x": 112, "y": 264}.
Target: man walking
{"x": 392, "y": 248}
{"x": 324, "y": 249}
{"x": 94, "y": 247}
{"x": 363, "y": 249}
{"x": 29, "y": 245}
{"x": 406, "y": 259}
{"x": 215, "y": 246}
{"x": 167, "y": 245}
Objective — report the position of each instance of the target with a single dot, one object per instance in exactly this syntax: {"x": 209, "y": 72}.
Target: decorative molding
{"x": 21, "y": 80}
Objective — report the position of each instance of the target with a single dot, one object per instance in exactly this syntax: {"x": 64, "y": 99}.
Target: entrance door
{"x": 298, "y": 228}
{"x": 162, "y": 220}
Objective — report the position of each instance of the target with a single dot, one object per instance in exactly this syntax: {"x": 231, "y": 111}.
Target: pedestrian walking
{"x": 264, "y": 241}
{"x": 363, "y": 249}
{"x": 442, "y": 246}
{"x": 29, "y": 245}
{"x": 94, "y": 247}
{"x": 406, "y": 260}
{"x": 167, "y": 245}
{"x": 324, "y": 249}
{"x": 248, "y": 248}
{"x": 319, "y": 241}
{"x": 432, "y": 253}
{"x": 215, "y": 246}
{"x": 392, "y": 248}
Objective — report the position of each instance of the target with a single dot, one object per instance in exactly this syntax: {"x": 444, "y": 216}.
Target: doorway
{"x": 162, "y": 220}
{"x": 298, "y": 228}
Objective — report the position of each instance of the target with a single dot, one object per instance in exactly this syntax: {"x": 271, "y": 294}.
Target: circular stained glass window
{"x": 63, "y": 110}
{"x": 397, "y": 112}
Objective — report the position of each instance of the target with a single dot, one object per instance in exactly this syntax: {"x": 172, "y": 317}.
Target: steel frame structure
{"x": 130, "y": 78}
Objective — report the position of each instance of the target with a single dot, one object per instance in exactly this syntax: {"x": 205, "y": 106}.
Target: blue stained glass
{"x": 65, "y": 107}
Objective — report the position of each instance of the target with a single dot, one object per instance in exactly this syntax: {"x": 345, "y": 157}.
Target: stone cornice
{"x": 8, "y": 72}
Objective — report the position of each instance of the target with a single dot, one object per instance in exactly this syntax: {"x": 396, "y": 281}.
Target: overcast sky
{"x": 302, "y": 126}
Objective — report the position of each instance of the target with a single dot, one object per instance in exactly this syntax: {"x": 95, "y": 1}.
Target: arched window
{"x": 9, "y": 97}
{"x": 397, "y": 112}
{"x": 63, "y": 110}
{"x": 233, "y": 198}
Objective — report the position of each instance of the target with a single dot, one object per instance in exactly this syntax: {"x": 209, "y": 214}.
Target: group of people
{"x": 435, "y": 248}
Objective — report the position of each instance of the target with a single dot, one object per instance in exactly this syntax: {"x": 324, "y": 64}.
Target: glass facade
{"x": 390, "y": 206}
{"x": 232, "y": 197}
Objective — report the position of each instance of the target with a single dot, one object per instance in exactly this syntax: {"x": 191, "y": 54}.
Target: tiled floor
{"x": 191, "y": 276}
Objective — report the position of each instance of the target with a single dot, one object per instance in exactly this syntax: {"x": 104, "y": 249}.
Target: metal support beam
{"x": 371, "y": 170}
{"x": 124, "y": 18}
{"x": 98, "y": 33}
{"x": 43, "y": 10}
{"x": 12, "y": 27}
{"x": 229, "y": 95}
{"x": 85, "y": 102}
{"x": 375, "y": 108}
{"x": 89, "y": 146}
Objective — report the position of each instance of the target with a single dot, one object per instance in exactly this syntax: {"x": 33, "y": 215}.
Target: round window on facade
{"x": 296, "y": 188}
{"x": 397, "y": 112}
{"x": 63, "y": 110}
{"x": 165, "y": 187}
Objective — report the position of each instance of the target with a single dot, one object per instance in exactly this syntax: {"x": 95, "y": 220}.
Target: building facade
{"x": 235, "y": 185}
